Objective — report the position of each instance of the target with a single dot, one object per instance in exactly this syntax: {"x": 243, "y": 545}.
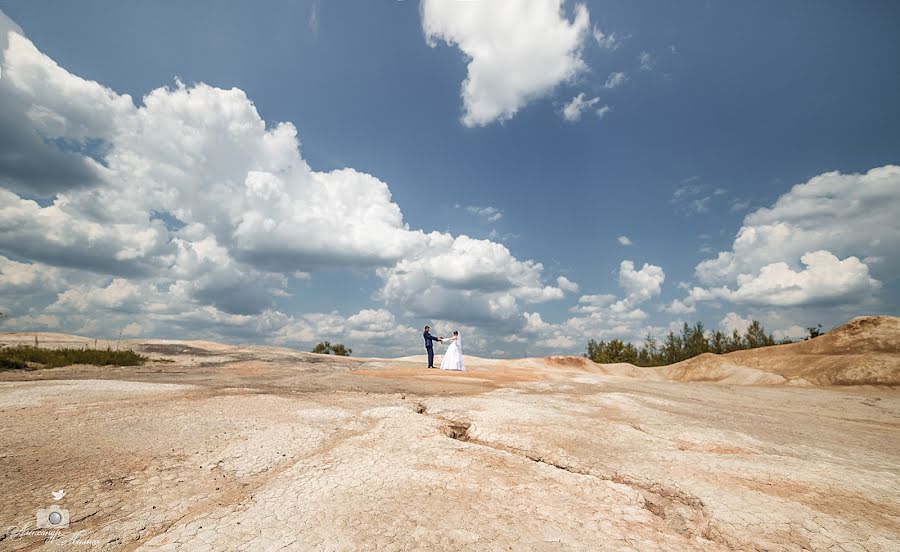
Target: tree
{"x": 619, "y": 351}
{"x": 615, "y": 351}
{"x": 326, "y": 348}
{"x": 340, "y": 350}
{"x": 696, "y": 343}
{"x": 718, "y": 342}
{"x": 814, "y": 331}
{"x": 756, "y": 336}
{"x": 649, "y": 354}
{"x": 692, "y": 341}
{"x": 735, "y": 342}
{"x": 671, "y": 349}
{"x": 596, "y": 351}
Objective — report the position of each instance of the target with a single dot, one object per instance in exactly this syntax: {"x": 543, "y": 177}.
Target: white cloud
{"x": 602, "y": 316}
{"x": 677, "y": 306}
{"x": 463, "y": 278}
{"x": 739, "y": 205}
{"x": 641, "y": 284}
{"x": 826, "y": 279}
{"x": 200, "y": 214}
{"x": 534, "y": 323}
{"x": 566, "y": 285}
{"x": 805, "y": 250}
{"x": 31, "y": 163}
{"x": 614, "y": 80}
{"x": 120, "y": 295}
{"x": 732, "y": 321}
{"x": 372, "y": 331}
{"x": 624, "y": 240}
{"x": 609, "y": 41}
{"x": 690, "y": 199}
{"x": 558, "y": 342}
{"x": 588, "y": 304}
{"x": 646, "y": 61}
{"x": 603, "y": 111}
{"x": 572, "y": 111}
{"x": 517, "y": 52}
{"x": 32, "y": 322}
{"x": 26, "y": 278}
{"x": 793, "y": 333}
{"x": 490, "y": 214}
{"x": 845, "y": 214}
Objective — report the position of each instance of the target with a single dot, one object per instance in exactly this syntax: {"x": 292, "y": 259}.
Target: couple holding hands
{"x": 453, "y": 357}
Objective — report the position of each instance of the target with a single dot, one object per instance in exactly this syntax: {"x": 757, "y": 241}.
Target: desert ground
{"x": 218, "y": 447}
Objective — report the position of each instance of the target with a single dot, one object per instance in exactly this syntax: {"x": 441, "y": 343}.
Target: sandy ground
{"x": 252, "y": 448}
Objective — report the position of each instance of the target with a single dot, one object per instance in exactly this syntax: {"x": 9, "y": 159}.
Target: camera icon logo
{"x": 53, "y": 517}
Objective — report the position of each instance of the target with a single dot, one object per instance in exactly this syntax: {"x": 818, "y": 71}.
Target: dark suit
{"x": 428, "y": 347}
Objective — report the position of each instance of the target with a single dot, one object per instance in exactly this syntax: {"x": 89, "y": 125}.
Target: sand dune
{"x": 864, "y": 351}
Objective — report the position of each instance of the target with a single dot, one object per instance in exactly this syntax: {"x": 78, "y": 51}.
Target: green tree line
{"x": 692, "y": 341}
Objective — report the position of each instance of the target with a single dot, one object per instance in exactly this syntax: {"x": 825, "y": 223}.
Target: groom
{"x": 428, "y": 345}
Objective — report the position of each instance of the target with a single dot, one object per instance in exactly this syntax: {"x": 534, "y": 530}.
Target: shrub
{"x": 327, "y": 348}
{"x": 17, "y": 357}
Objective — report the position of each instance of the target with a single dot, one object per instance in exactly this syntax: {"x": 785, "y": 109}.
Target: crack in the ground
{"x": 684, "y": 513}
{"x": 457, "y": 430}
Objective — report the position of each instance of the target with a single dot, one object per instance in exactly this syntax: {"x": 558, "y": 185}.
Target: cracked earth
{"x": 255, "y": 448}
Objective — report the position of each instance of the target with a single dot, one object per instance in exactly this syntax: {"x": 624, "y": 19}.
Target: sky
{"x": 534, "y": 173}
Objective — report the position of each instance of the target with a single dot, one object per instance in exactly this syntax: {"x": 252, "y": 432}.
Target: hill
{"x": 864, "y": 351}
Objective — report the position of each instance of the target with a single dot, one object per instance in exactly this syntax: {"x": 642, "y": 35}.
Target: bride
{"x": 453, "y": 358}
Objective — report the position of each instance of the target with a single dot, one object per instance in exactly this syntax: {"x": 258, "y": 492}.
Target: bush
{"x": 17, "y": 357}
{"x": 327, "y": 348}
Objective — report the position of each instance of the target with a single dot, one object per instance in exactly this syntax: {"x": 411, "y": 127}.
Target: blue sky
{"x": 719, "y": 111}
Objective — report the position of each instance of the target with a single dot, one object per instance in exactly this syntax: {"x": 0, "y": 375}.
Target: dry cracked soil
{"x": 258, "y": 448}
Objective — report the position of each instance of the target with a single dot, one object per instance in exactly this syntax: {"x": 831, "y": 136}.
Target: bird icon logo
{"x": 58, "y": 495}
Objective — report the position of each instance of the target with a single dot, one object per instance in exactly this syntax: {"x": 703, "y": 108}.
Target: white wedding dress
{"x": 453, "y": 358}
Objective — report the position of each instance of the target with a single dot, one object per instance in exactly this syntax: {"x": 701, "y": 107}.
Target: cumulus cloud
{"x": 377, "y": 330}
{"x": 566, "y": 285}
{"x": 464, "y": 278}
{"x": 825, "y": 279}
{"x": 641, "y": 284}
{"x": 26, "y": 278}
{"x": 602, "y": 316}
{"x": 197, "y": 213}
{"x": 624, "y": 240}
{"x": 646, "y": 61}
{"x": 576, "y": 106}
{"x": 825, "y": 242}
{"x": 845, "y": 214}
{"x": 517, "y": 51}
{"x": 30, "y": 134}
{"x": 733, "y": 321}
{"x": 603, "y": 111}
{"x": 678, "y": 307}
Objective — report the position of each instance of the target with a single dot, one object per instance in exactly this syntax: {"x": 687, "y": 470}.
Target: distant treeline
{"x": 692, "y": 341}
